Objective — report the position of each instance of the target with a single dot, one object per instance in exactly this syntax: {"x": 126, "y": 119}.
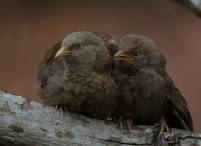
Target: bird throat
{"x": 74, "y": 67}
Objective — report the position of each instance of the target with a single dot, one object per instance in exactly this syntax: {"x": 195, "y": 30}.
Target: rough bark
{"x": 193, "y": 5}
{"x": 28, "y": 123}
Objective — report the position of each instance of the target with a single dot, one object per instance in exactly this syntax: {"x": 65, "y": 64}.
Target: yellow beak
{"x": 63, "y": 52}
{"x": 120, "y": 56}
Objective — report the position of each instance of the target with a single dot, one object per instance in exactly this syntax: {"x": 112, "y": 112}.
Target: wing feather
{"x": 46, "y": 64}
{"x": 180, "y": 107}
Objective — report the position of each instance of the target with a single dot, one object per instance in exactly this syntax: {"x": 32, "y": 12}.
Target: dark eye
{"x": 76, "y": 46}
{"x": 137, "y": 54}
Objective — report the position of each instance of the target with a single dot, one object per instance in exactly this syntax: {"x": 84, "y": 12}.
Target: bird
{"x": 46, "y": 64}
{"x": 148, "y": 94}
{"x": 76, "y": 73}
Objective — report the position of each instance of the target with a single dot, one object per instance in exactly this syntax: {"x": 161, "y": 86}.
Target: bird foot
{"x": 60, "y": 109}
{"x": 128, "y": 122}
{"x": 163, "y": 127}
{"x": 121, "y": 122}
{"x": 108, "y": 120}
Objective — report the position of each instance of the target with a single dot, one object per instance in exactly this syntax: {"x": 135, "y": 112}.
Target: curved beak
{"x": 64, "y": 51}
{"x": 120, "y": 56}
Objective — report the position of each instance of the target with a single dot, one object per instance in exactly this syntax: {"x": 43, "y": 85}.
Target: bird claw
{"x": 121, "y": 123}
{"x": 128, "y": 122}
{"x": 163, "y": 127}
{"x": 108, "y": 120}
{"x": 156, "y": 125}
{"x": 60, "y": 109}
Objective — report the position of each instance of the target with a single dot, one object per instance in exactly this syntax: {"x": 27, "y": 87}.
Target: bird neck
{"x": 76, "y": 68}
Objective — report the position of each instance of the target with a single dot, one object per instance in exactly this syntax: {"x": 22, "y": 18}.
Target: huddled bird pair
{"x": 112, "y": 78}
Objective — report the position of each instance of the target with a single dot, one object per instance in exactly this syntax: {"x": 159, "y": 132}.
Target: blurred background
{"x": 28, "y": 28}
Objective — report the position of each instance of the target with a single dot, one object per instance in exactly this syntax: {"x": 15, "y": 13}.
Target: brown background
{"x": 28, "y": 28}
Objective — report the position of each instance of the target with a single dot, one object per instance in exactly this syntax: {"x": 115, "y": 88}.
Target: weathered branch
{"x": 193, "y": 5}
{"x": 28, "y": 123}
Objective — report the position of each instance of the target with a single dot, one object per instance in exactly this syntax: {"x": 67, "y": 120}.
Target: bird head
{"x": 82, "y": 50}
{"x": 138, "y": 51}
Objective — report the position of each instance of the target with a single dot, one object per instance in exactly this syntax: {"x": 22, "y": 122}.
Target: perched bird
{"x": 149, "y": 95}
{"x": 77, "y": 73}
{"x": 49, "y": 63}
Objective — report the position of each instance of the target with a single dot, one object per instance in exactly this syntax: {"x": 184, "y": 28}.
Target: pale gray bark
{"x": 193, "y": 5}
{"x": 28, "y": 123}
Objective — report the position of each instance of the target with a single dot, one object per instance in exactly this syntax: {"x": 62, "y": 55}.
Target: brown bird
{"x": 77, "y": 73}
{"x": 148, "y": 93}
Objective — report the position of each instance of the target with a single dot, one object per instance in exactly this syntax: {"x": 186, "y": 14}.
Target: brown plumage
{"x": 76, "y": 73}
{"x": 148, "y": 93}
{"x": 112, "y": 42}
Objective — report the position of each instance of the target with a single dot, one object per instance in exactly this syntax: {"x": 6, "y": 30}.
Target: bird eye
{"x": 76, "y": 46}
{"x": 137, "y": 54}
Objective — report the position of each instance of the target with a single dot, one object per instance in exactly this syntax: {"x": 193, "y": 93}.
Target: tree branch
{"x": 28, "y": 123}
{"x": 193, "y": 5}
